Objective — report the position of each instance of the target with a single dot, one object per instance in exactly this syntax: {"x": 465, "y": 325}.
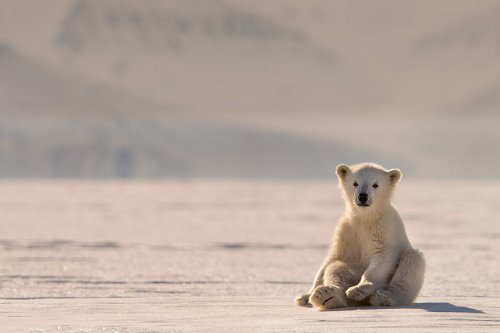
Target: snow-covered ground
{"x": 204, "y": 256}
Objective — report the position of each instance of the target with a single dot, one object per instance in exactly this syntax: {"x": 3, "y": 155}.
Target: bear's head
{"x": 367, "y": 186}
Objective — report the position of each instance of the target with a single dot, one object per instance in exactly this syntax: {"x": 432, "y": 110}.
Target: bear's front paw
{"x": 360, "y": 291}
{"x": 327, "y": 297}
{"x": 302, "y": 300}
{"x": 382, "y": 298}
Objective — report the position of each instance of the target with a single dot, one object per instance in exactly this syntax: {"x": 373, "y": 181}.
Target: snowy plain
{"x": 207, "y": 256}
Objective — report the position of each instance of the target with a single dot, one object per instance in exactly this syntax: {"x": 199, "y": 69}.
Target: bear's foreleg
{"x": 405, "y": 284}
{"x": 376, "y": 276}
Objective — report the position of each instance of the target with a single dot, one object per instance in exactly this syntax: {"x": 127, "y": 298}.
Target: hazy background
{"x": 248, "y": 88}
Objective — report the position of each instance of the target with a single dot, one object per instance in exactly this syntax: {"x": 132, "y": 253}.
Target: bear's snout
{"x": 362, "y": 199}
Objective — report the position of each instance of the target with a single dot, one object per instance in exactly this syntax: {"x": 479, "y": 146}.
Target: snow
{"x": 229, "y": 255}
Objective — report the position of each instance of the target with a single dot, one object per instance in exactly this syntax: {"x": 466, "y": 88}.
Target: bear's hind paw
{"x": 327, "y": 297}
{"x": 302, "y": 300}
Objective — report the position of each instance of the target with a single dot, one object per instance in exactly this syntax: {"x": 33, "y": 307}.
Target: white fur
{"x": 371, "y": 261}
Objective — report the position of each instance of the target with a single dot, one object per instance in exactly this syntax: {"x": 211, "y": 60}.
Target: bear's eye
{"x": 355, "y": 184}
{"x": 375, "y": 185}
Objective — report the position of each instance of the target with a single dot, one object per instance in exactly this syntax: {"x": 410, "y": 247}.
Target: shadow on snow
{"x": 430, "y": 307}
{"x": 443, "y": 307}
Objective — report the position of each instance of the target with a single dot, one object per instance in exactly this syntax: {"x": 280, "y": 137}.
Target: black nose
{"x": 363, "y": 197}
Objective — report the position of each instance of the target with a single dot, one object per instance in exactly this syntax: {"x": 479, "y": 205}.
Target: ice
{"x": 205, "y": 256}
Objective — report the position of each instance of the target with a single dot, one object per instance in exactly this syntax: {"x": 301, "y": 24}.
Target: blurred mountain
{"x": 248, "y": 58}
{"x": 146, "y": 147}
{"x": 28, "y": 86}
{"x": 57, "y": 126}
{"x": 239, "y": 58}
{"x": 205, "y": 56}
{"x": 248, "y": 88}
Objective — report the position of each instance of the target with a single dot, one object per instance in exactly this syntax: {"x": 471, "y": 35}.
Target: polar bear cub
{"x": 370, "y": 261}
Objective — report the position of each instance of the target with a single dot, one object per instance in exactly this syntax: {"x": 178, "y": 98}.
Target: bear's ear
{"x": 394, "y": 175}
{"x": 342, "y": 171}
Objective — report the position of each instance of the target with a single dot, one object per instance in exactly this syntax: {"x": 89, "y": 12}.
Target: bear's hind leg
{"x": 338, "y": 277}
{"x": 405, "y": 284}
